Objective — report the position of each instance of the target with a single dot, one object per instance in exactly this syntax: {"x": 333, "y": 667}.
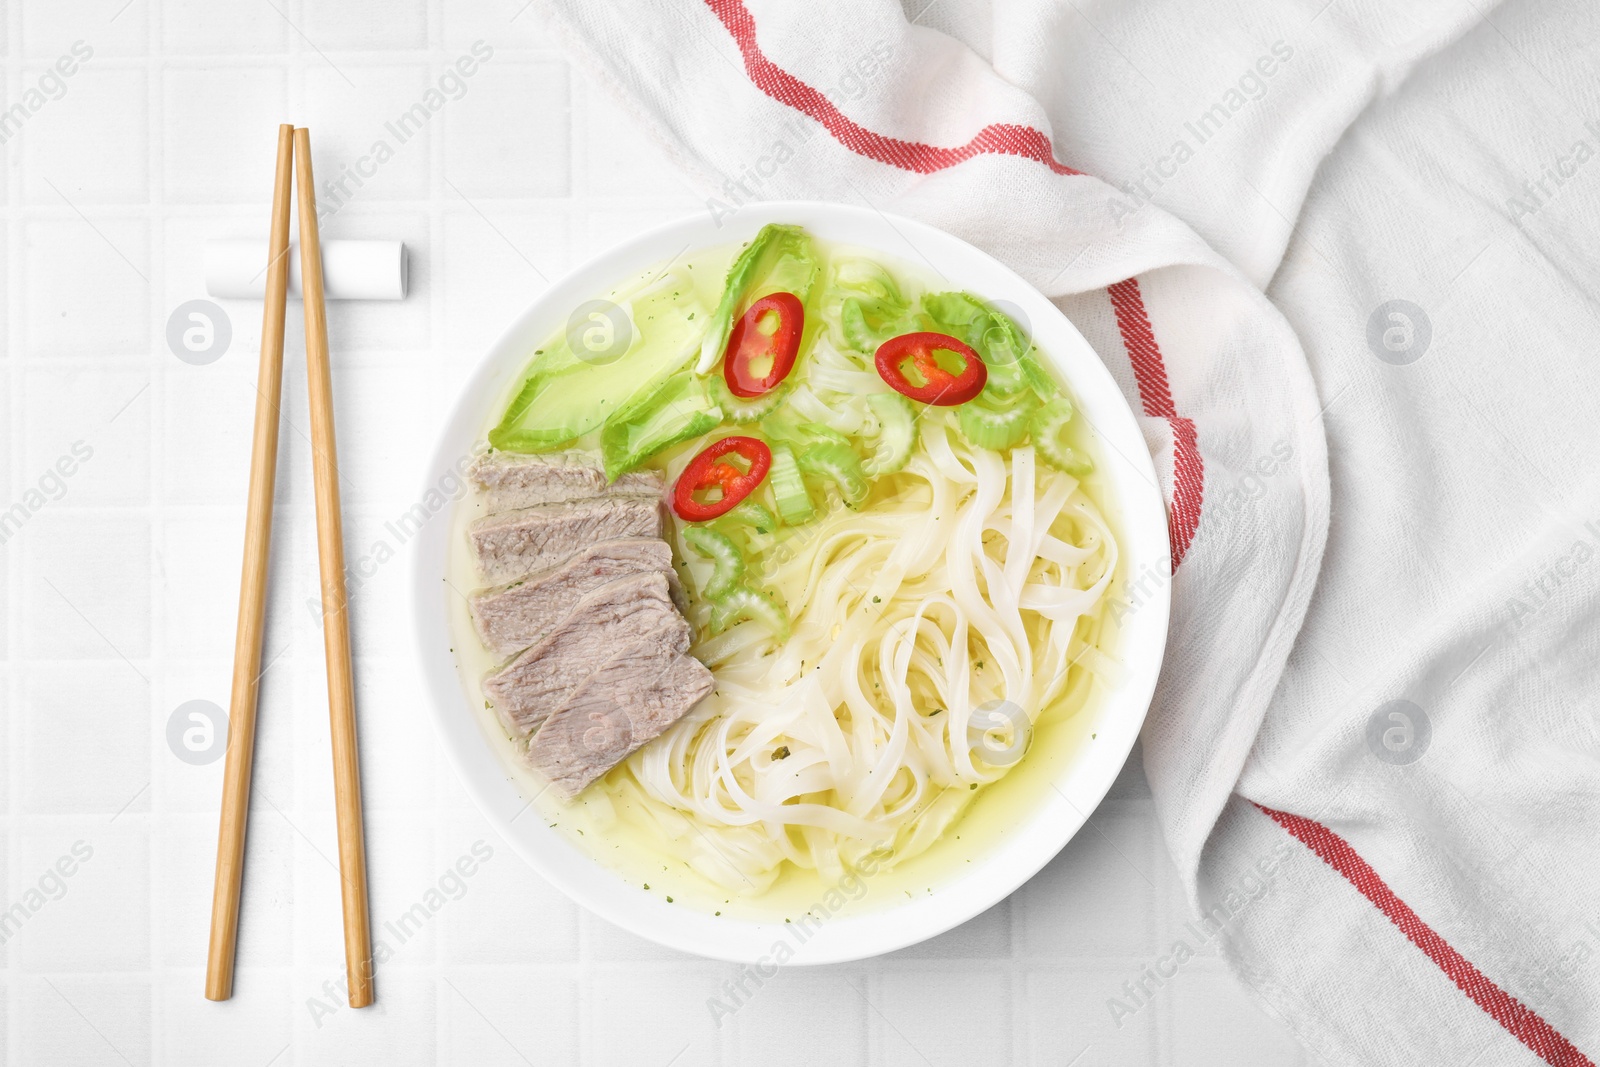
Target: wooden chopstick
{"x": 252, "y": 593}
{"x": 335, "y": 624}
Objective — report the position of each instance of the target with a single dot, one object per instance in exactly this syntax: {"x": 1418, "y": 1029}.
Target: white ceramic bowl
{"x": 1081, "y": 781}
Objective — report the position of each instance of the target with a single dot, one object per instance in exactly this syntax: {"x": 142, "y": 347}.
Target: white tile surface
{"x": 219, "y": 121}
{"x": 354, "y": 109}
{"x": 1097, "y": 898}
{"x": 86, "y": 586}
{"x": 510, "y": 135}
{"x": 508, "y": 1015}
{"x": 802, "y": 1017}
{"x": 102, "y": 111}
{"x": 328, "y": 28}
{"x": 1214, "y": 1021}
{"x": 112, "y": 463}
{"x": 477, "y": 933}
{"x": 250, "y": 1028}
{"x": 502, "y": 24}
{"x": 77, "y": 1018}
{"x": 517, "y": 256}
{"x": 1073, "y": 1020}
{"x": 110, "y": 27}
{"x": 627, "y": 1008}
{"x": 83, "y": 287}
{"x": 973, "y": 1023}
{"x": 94, "y": 713}
{"x": 100, "y": 925}
{"x": 119, "y": 600}
{"x": 614, "y": 160}
{"x": 196, "y": 26}
{"x": 403, "y": 1031}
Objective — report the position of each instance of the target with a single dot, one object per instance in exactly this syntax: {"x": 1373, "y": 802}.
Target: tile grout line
{"x": 12, "y": 846}
{"x": 155, "y": 405}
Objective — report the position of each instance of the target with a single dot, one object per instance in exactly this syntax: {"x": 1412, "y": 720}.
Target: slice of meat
{"x": 614, "y": 616}
{"x": 516, "y": 480}
{"x": 514, "y": 544}
{"x": 513, "y": 617}
{"x": 628, "y": 701}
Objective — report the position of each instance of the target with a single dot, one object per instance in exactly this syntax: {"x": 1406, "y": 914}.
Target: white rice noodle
{"x": 855, "y": 732}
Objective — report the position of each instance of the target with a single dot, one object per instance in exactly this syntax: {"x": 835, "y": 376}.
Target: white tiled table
{"x": 120, "y": 596}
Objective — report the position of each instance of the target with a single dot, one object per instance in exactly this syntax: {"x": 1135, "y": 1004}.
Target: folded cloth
{"x": 1377, "y": 850}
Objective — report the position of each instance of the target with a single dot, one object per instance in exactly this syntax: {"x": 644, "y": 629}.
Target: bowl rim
{"x": 1078, "y": 786}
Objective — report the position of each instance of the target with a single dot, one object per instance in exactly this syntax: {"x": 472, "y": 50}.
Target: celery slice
{"x": 751, "y": 514}
{"x": 896, "y": 433}
{"x": 739, "y": 410}
{"x": 726, "y": 559}
{"x": 742, "y": 602}
{"x": 995, "y": 429}
{"x": 838, "y": 463}
{"x": 1047, "y": 426}
{"x": 862, "y": 306}
{"x": 788, "y": 487}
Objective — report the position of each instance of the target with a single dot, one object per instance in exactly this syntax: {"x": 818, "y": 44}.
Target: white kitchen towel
{"x": 1152, "y": 166}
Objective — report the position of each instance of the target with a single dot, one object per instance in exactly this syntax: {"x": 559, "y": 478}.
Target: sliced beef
{"x": 515, "y": 544}
{"x": 515, "y": 480}
{"x": 513, "y": 617}
{"x": 614, "y": 616}
{"x": 584, "y": 587}
{"x": 630, "y": 699}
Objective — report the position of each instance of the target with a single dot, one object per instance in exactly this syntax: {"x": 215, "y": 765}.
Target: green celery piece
{"x": 564, "y": 397}
{"x": 679, "y": 410}
{"x": 751, "y": 513}
{"x": 779, "y": 258}
{"x": 960, "y": 315}
{"x": 996, "y": 429}
{"x": 824, "y": 452}
{"x": 1047, "y": 426}
{"x": 896, "y": 434}
{"x": 788, "y": 487}
{"x": 800, "y": 436}
{"x": 1006, "y": 350}
{"x": 839, "y": 464}
{"x": 727, "y": 562}
{"x": 862, "y": 305}
{"x": 743, "y": 602}
{"x": 859, "y": 333}
{"x": 739, "y": 409}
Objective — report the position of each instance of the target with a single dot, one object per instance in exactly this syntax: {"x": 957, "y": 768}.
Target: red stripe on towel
{"x": 997, "y": 138}
{"x": 1188, "y": 468}
{"x": 1522, "y": 1021}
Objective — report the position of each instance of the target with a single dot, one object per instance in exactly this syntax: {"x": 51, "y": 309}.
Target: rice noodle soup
{"x": 904, "y": 617}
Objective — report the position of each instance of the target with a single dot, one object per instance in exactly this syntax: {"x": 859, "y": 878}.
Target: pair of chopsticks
{"x": 294, "y": 155}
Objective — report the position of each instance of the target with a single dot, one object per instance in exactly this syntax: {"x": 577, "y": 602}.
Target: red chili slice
{"x": 940, "y": 387}
{"x": 709, "y": 471}
{"x": 757, "y": 359}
